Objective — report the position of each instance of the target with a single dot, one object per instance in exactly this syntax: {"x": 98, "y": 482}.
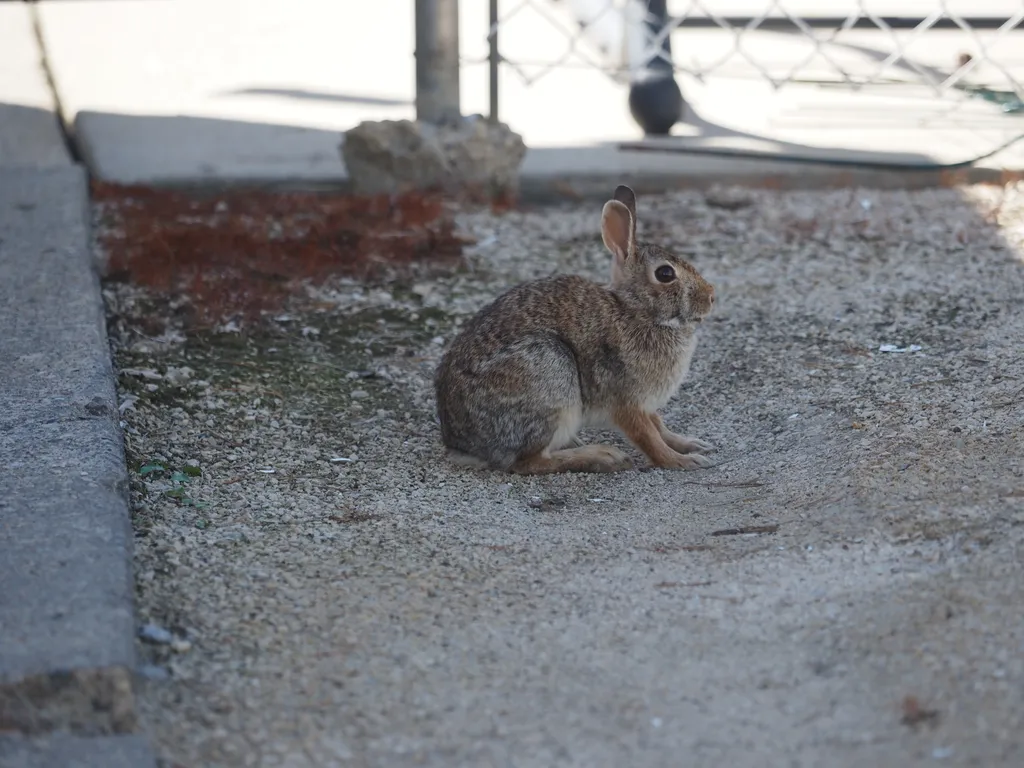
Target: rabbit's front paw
{"x": 687, "y": 444}
{"x": 686, "y": 461}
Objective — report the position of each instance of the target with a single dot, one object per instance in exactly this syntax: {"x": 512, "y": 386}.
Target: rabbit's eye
{"x": 665, "y": 274}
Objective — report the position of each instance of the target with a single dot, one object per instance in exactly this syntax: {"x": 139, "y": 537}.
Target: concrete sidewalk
{"x": 185, "y": 90}
{"x": 67, "y": 647}
{"x": 67, "y": 655}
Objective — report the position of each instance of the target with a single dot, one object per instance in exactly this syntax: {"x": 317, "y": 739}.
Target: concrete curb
{"x": 76, "y": 752}
{"x": 223, "y": 155}
{"x": 67, "y": 650}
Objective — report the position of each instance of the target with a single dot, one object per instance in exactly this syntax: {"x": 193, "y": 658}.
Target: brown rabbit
{"x": 555, "y": 355}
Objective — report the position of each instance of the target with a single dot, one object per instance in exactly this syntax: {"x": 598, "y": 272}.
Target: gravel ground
{"x": 844, "y": 588}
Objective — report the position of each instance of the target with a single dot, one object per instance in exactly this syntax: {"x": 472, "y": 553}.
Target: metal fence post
{"x": 655, "y": 100}
{"x": 493, "y": 60}
{"x": 437, "y": 61}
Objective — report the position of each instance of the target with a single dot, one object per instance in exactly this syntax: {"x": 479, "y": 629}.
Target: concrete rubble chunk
{"x": 471, "y": 155}
{"x": 66, "y": 598}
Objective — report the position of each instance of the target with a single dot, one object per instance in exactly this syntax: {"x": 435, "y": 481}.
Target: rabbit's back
{"x": 576, "y": 315}
{"x": 567, "y": 305}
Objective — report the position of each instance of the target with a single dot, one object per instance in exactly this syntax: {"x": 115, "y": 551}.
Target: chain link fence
{"x": 939, "y": 49}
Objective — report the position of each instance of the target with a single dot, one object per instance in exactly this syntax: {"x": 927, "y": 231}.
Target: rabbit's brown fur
{"x": 555, "y": 355}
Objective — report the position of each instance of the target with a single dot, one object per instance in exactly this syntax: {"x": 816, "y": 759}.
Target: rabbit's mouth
{"x": 681, "y": 320}
{"x": 691, "y": 317}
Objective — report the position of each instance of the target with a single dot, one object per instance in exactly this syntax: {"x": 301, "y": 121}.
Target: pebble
{"x": 157, "y": 635}
{"x": 359, "y": 394}
{"x": 729, "y": 198}
{"x": 179, "y": 376}
{"x": 154, "y": 672}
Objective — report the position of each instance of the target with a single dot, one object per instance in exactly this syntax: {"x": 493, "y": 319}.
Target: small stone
{"x": 728, "y": 198}
{"x": 178, "y": 376}
{"x": 142, "y": 373}
{"x": 359, "y": 394}
{"x": 151, "y": 633}
{"x": 154, "y": 672}
{"x": 337, "y": 748}
{"x": 179, "y": 645}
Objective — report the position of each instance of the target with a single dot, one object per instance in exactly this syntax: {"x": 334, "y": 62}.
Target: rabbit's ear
{"x": 627, "y": 197}
{"x": 617, "y": 228}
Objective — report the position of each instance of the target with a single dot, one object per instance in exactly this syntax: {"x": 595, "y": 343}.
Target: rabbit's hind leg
{"x": 557, "y": 457}
{"x": 522, "y": 409}
{"x": 586, "y": 458}
{"x": 547, "y": 442}
{"x": 550, "y": 408}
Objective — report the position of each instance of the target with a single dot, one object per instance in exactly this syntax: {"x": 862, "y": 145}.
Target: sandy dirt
{"x": 845, "y": 587}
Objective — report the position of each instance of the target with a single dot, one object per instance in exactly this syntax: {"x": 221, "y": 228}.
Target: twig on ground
{"x": 742, "y": 484}
{"x": 744, "y": 529}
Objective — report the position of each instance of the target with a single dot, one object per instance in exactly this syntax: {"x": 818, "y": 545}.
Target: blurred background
{"x": 167, "y": 89}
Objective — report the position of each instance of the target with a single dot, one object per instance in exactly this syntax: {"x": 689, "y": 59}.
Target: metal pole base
{"x": 655, "y": 101}
{"x": 656, "y": 105}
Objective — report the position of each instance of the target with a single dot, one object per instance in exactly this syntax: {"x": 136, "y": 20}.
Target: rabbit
{"x": 554, "y": 355}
